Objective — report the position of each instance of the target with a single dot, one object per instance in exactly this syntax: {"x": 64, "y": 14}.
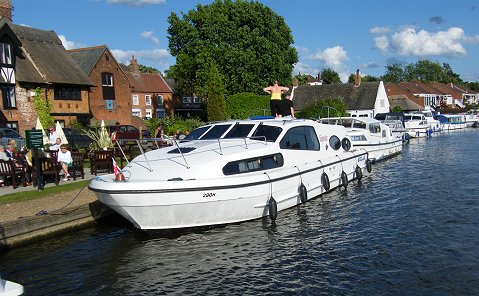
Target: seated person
{"x": 64, "y": 157}
{"x": 57, "y": 144}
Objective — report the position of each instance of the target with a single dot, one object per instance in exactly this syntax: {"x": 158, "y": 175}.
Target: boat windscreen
{"x": 196, "y": 133}
{"x": 239, "y": 131}
{"x": 216, "y": 132}
{"x": 268, "y": 132}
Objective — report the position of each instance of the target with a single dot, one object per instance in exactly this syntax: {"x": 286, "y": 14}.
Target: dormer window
{"x": 5, "y": 53}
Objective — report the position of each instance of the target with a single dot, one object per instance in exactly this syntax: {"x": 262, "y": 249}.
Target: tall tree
{"x": 147, "y": 69}
{"x": 450, "y": 76}
{"x": 250, "y": 44}
{"x": 215, "y": 92}
{"x": 394, "y": 73}
{"x": 329, "y": 76}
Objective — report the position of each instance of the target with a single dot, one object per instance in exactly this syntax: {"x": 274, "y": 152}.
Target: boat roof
{"x": 367, "y": 120}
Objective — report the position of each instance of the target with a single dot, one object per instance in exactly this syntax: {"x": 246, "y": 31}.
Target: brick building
{"x": 151, "y": 96}
{"x": 32, "y": 59}
{"x": 110, "y": 96}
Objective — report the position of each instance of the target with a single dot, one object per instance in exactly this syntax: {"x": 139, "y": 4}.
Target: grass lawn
{"x": 35, "y": 194}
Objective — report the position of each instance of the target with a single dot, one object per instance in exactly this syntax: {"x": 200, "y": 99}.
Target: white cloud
{"x": 136, "y": 2}
{"x": 302, "y": 68}
{"x": 158, "y": 58}
{"x": 302, "y": 50}
{"x": 149, "y": 35}
{"x": 379, "y": 30}
{"x": 382, "y": 43}
{"x": 334, "y": 58}
{"x": 412, "y": 42}
{"x": 69, "y": 44}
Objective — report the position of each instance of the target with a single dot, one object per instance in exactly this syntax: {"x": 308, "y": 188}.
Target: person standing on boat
{"x": 287, "y": 109}
{"x": 275, "y": 102}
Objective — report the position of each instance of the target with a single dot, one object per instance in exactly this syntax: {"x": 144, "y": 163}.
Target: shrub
{"x": 245, "y": 105}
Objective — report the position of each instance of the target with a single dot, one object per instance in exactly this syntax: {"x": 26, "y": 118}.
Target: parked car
{"x": 123, "y": 132}
{"x": 76, "y": 140}
{"x": 7, "y": 134}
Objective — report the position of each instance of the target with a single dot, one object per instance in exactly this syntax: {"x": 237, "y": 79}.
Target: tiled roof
{"x": 404, "y": 103}
{"x": 87, "y": 57}
{"x": 43, "y": 59}
{"x": 355, "y": 98}
{"x": 446, "y": 89}
{"x": 148, "y": 82}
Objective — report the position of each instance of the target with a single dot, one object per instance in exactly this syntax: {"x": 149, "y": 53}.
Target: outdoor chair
{"x": 77, "y": 165}
{"x": 101, "y": 161}
{"x": 13, "y": 173}
{"x": 50, "y": 169}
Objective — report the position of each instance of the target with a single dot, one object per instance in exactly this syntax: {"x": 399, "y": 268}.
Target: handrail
{"x": 181, "y": 152}
{"x": 144, "y": 155}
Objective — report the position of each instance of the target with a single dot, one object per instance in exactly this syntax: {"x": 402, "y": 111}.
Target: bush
{"x": 171, "y": 124}
{"x": 245, "y": 105}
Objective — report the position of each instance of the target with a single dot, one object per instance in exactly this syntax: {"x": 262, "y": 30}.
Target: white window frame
{"x": 136, "y": 100}
{"x": 109, "y": 78}
{"x": 160, "y": 113}
{"x": 148, "y": 100}
{"x": 196, "y": 100}
{"x": 159, "y": 99}
{"x": 136, "y": 112}
{"x": 186, "y": 100}
{"x": 148, "y": 113}
{"x": 5, "y": 53}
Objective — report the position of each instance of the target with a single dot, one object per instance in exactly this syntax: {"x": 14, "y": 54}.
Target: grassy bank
{"x": 35, "y": 194}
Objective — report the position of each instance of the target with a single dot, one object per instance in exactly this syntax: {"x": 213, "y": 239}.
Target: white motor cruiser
{"x": 369, "y": 134}
{"x": 416, "y": 125}
{"x": 9, "y": 288}
{"x": 232, "y": 171}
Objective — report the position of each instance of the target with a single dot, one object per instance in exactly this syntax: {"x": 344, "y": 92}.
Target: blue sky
{"x": 343, "y": 35}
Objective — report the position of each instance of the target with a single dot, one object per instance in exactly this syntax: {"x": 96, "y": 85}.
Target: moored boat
{"x": 395, "y": 121}
{"x": 416, "y": 125}
{"x": 369, "y": 134}
{"x": 232, "y": 171}
{"x": 451, "y": 122}
{"x": 9, "y": 288}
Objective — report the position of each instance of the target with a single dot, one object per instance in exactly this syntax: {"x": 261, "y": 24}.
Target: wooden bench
{"x": 76, "y": 169}
{"x": 50, "y": 168}
{"x": 10, "y": 171}
{"x": 101, "y": 161}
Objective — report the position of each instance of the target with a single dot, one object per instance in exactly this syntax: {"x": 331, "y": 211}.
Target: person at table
{"x": 52, "y": 136}
{"x": 64, "y": 157}
{"x": 3, "y": 156}
{"x": 57, "y": 145}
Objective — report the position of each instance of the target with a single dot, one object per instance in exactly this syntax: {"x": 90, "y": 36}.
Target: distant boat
{"x": 451, "y": 122}
{"x": 416, "y": 125}
{"x": 8, "y": 288}
{"x": 369, "y": 134}
{"x": 395, "y": 121}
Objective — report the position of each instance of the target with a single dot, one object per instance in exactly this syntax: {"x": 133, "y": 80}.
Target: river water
{"x": 409, "y": 228}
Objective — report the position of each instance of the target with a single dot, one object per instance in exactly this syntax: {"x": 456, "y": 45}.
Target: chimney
{"x": 295, "y": 82}
{"x": 134, "y": 65}
{"x": 357, "y": 79}
{"x": 6, "y": 9}
{"x": 319, "y": 76}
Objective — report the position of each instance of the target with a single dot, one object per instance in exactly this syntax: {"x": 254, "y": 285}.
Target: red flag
{"x": 116, "y": 168}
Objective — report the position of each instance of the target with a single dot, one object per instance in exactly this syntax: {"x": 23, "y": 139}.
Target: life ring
{"x": 344, "y": 179}
{"x": 325, "y": 182}
{"x": 303, "y": 193}
{"x": 359, "y": 173}
{"x": 369, "y": 166}
{"x": 273, "y": 209}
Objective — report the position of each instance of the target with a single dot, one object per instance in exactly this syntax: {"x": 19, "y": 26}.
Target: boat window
{"x": 268, "y": 132}
{"x": 183, "y": 150}
{"x": 347, "y": 122}
{"x": 253, "y": 164}
{"x": 239, "y": 131}
{"x": 374, "y": 128}
{"x": 196, "y": 133}
{"x": 359, "y": 124}
{"x": 216, "y": 132}
{"x": 358, "y": 138}
{"x": 300, "y": 138}
{"x": 335, "y": 142}
{"x": 346, "y": 144}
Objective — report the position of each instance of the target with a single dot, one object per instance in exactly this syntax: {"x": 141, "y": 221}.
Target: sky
{"x": 343, "y": 35}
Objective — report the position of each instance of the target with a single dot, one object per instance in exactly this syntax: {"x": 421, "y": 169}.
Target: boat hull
{"x": 194, "y": 203}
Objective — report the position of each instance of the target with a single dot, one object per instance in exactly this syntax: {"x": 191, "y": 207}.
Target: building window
{"x": 196, "y": 100}
{"x": 160, "y": 99}
{"x": 5, "y": 53}
{"x": 67, "y": 93}
{"x": 186, "y": 100}
{"x": 148, "y": 113}
{"x": 8, "y": 95}
{"x": 136, "y": 112}
{"x": 160, "y": 113}
{"x": 13, "y": 125}
{"x": 107, "y": 83}
{"x": 107, "y": 79}
{"x": 136, "y": 101}
{"x": 148, "y": 100}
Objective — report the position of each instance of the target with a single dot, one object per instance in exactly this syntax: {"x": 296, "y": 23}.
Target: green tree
{"x": 302, "y": 79}
{"x": 450, "y": 75}
{"x": 245, "y": 105}
{"x": 147, "y": 69}
{"x": 43, "y": 109}
{"x": 329, "y": 76}
{"x": 215, "y": 91}
{"x": 394, "y": 73}
{"x": 365, "y": 78}
{"x": 425, "y": 71}
{"x": 330, "y": 107}
{"x": 248, "y": 41}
